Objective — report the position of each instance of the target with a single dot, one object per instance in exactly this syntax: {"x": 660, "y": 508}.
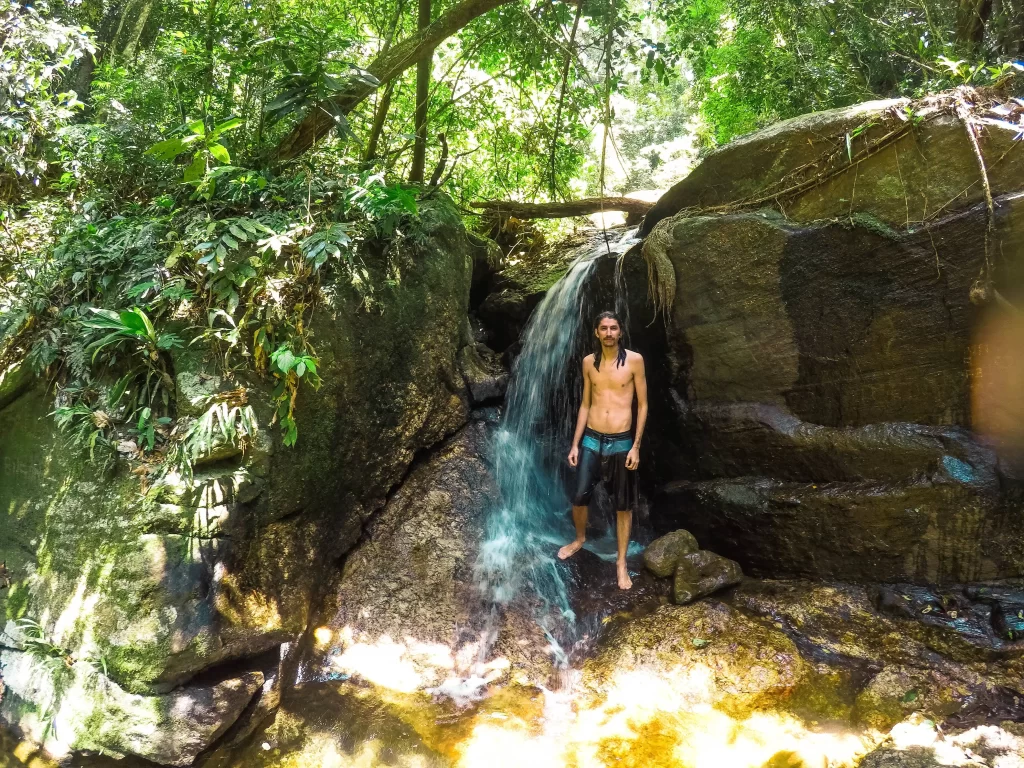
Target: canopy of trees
{"x": 168, "y": 163}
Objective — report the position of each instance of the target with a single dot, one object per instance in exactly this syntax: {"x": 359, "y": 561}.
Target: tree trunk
{"x": 380, "y": 116}
{"x": 634, "y": 209}
{"x": 318, "y": 121}
{"x": 435, "y": 178}
{"x": 118, "y": 35}
{"x": 133, "y": 21}
{"x": 561, "y": 96}
{"x": 971, "y": 17}
{"x": 419, "y": 148}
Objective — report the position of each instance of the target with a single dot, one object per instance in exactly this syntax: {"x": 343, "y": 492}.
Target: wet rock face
{"x": 407, "y": 613}
{"x": 824, "y": 355}
{"x": 825, "y": 655}
{"x": 751, "y": 665}
{"x": 485, "y": 374}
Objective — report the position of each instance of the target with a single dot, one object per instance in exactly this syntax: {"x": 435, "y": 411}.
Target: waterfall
{"x": 525, "y": 529}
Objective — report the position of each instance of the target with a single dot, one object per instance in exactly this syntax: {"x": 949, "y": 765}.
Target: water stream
{"x": 524, "y": 531}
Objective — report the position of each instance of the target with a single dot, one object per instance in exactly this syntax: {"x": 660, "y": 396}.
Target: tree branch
{"x": 319, "y": 120}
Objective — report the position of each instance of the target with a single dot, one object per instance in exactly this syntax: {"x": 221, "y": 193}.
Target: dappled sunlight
{"x": 409, "y": 665}
{"x": 998, "y": 747}
{"x": 327, "y": 753}
{"x": 647, "y": 719}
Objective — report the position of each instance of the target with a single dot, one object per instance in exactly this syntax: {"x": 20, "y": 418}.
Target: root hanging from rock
{"x": 661, "y": 275}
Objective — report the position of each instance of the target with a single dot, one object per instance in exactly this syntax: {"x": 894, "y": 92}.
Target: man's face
{"x": 608, "y": 332}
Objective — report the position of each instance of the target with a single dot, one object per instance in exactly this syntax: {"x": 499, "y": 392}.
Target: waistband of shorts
{"x": 602, "y": 442}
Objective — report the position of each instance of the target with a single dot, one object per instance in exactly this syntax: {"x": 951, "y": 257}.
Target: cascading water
{"x": 524, "y": 531}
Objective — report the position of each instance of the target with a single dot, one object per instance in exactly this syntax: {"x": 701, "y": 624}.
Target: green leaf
{"x": 220, "y": 152}
{"x": 196, "y": 170}
{"x": 167, "y": 150}
{"x": 283, "y": 359}
{"x": 117, "y": 391}
{"x": 133, "y": 322}
{"x": 228, "y": 125}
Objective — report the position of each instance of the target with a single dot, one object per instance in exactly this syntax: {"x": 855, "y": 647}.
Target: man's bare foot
{"x": 570, "y": 549}
{"x": 624, "y": 581}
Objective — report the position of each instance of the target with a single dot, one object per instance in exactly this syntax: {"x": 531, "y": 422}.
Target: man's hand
{"x": 574, "y": 456}
{"x": 633, "y": 458}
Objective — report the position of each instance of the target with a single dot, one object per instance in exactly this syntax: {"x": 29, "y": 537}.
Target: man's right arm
{"x": 584, "y": 414}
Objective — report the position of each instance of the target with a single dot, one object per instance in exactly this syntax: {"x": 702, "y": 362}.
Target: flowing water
{"x": 525, "y": 530}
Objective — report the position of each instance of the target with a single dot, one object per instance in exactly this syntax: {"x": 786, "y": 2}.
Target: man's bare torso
{"x": 611, "y": 394}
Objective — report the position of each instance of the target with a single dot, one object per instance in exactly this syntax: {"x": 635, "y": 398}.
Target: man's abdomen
{"x": 611, "y": 417}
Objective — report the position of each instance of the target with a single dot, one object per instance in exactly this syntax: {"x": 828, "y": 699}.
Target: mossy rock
{"x": 663, "y": 554}
{"x": 165, "y": 582}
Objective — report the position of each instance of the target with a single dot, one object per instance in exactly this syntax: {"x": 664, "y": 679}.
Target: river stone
{"x": 918, "y": 743}
{"x": 701, "y": 573}
{"x": 842, "y": 622}
{"x": 662, "y": 555}
{"x": 873, "y": 531}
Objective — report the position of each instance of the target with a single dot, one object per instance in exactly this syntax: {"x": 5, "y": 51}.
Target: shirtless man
{"x": 610, "y": 453}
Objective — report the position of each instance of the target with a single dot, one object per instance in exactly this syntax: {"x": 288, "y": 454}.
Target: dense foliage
{"x": 148, "y": 208}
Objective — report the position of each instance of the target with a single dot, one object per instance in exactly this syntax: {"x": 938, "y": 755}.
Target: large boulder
{"x": 903, "y": 162}
{"x": 824, "y": 346}
{"x": 157, "y": 584}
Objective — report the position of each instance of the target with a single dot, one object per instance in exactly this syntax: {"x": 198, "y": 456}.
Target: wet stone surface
{"x": 989, "y": 617}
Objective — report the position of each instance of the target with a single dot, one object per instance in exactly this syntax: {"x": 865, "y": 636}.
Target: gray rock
{"x": 484, "y": 373}
{"x": 662, "y": 555}
{"x": 701, "y": 573}
{"x": 908, "y": 180}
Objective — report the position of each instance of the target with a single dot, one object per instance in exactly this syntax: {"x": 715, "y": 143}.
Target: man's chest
{"x": 612, "y": 381}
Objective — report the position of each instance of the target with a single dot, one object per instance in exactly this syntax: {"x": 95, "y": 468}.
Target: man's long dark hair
{"x": 621, "y": 358}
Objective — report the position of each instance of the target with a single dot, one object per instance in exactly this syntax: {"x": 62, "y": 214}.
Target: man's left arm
{"x": 640, "y": 383}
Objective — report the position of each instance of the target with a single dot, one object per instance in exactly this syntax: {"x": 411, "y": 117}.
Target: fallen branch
{"x": 632, "y": 207}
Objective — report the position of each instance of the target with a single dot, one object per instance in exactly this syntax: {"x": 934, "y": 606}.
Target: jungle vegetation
{"x": 176, "y": 173}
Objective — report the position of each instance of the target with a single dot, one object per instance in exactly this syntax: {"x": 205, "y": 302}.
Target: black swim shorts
{"x": 603, "y": 458}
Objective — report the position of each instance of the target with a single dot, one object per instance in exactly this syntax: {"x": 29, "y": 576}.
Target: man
{"x": 609, "y": 453}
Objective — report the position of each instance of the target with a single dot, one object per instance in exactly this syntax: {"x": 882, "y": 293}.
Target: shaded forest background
{"x": 177, "y": 173}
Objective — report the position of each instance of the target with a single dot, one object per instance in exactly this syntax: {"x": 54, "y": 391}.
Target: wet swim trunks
{"x": 603, "y": 459}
